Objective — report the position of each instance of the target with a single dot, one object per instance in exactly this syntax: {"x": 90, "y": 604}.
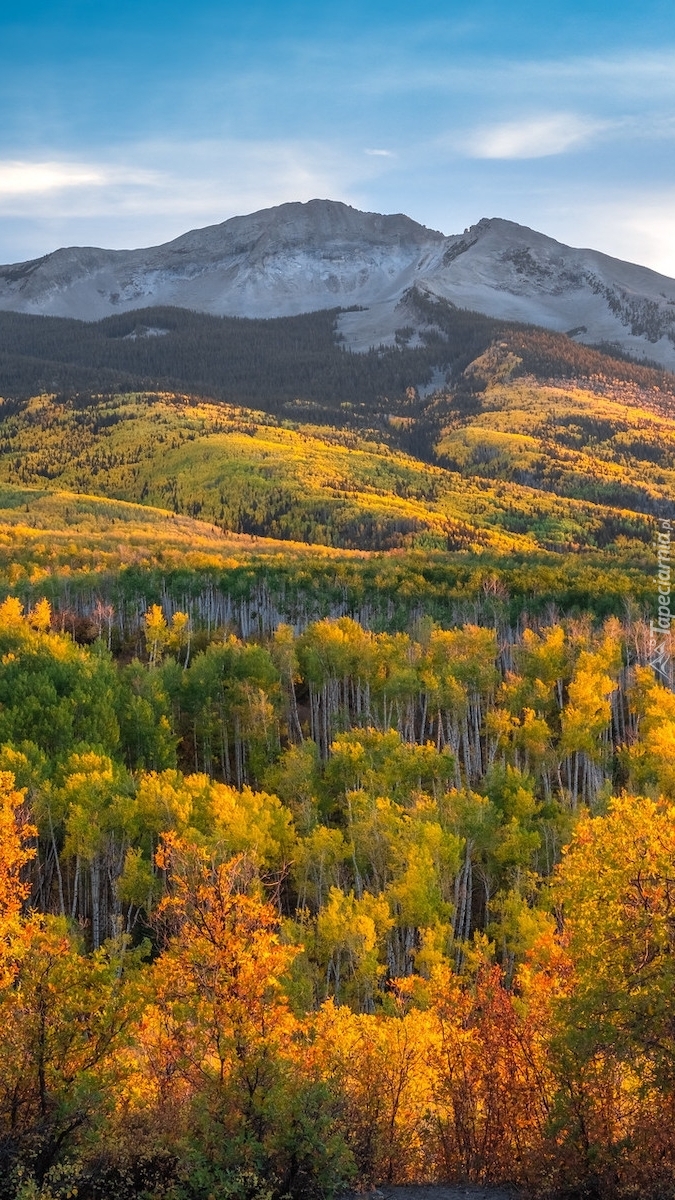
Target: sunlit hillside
{"x": 249, "y": 474}
{"x": 608, "y": 443}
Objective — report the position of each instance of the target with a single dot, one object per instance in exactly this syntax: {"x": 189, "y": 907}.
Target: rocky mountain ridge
{"x": 304, "y": 257}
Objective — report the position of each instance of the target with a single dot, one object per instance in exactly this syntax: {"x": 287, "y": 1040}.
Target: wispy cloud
{"x": 19, "y": 179}
{"x": 533, "y": 137}
{"x": 152, "y": 191}
{"x": 163, "y": 177}
{"x": 380, "y": 153}
{"x": 645, "y": 76}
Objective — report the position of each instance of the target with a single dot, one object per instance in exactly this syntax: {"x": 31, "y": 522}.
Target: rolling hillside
{"x": 529, "y": 471}
{"x": 248, "y": 474}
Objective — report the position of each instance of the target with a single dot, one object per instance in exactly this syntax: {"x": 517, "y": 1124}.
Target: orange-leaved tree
{"x": 14, "y": 853}
{"x": 492, "y": 1085}
{"x": 64, "y": 1016}
{"x": 227, "y": 1065}
{"x": 615, "y": 1051}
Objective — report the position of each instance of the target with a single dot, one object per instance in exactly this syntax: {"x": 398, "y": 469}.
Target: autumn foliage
{"x": 339, "y": 909}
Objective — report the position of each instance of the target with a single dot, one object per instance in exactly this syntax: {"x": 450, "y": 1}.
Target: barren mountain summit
{"x": 324, "y": 254}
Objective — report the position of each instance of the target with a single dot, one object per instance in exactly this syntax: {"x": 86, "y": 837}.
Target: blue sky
{"x": 126, "y": 123}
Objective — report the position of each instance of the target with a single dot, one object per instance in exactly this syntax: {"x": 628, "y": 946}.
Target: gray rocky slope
{"x": 301, "y": 257}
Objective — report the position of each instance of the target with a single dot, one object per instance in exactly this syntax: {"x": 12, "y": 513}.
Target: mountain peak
{"x": 299, "y": 257}
{"x": 314, "y": 222}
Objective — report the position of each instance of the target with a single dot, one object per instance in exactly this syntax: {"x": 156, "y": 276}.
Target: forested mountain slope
{"x": 336, "y": 782}
{"x": 530, "y": 448}
{"x": 286, "y": 364}
{"x": 250, "y": 474}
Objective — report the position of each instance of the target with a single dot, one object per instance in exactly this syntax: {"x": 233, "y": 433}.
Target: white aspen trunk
{"x": 76, "y": 888}
{"x": 95, "y": 875}
{"x": 57, "y": 864}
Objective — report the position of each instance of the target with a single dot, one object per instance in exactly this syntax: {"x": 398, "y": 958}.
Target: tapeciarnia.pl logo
{"x": 660, "y": 627}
